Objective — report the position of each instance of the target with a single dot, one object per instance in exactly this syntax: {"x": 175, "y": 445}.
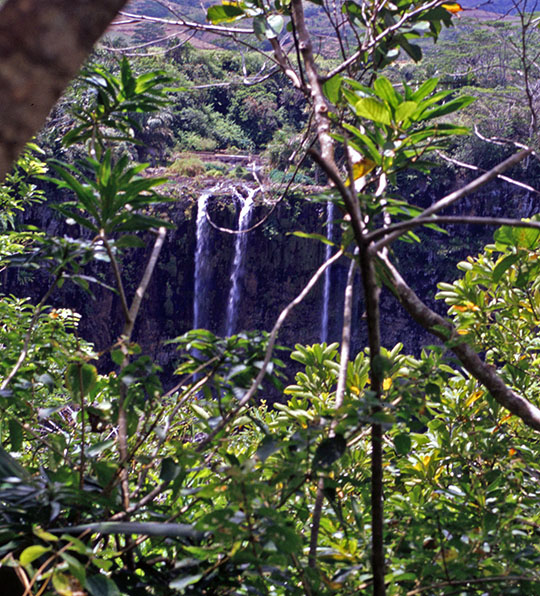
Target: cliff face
{"x": 275, "y": 267}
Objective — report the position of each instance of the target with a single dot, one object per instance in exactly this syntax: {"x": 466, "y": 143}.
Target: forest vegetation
{"x": 376, "y": 472}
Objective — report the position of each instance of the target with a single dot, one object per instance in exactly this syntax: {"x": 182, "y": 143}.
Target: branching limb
{"x": 180, "y": 21}
{"x": 470, "y": 360}
{"x": 411, "y": 224}
{"x": 338, "y": 402}
{"x": 320, "y": 109}
{"x": 457, "y": 195}
{"x": 271, "y": 343}
{"x": 141, "y": 290}
{"x": 469, "y": 166}
{"x": 126, "y": 336}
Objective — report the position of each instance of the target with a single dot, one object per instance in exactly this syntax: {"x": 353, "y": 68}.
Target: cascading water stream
{"x": 239, "y": 259}
{"x": 327, "y": 255}
{"x": 201, "y": 259}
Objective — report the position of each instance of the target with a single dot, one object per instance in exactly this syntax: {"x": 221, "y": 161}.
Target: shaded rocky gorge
{"x": 227, "y": 282}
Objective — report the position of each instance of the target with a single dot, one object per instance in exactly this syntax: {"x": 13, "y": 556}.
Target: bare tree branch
{"x": 469, "y": 166}
{"x": 473, "y": 220}
{"x": 271, "y": 343}
{"x": 457, "y": 195}
{"x": 203, "y": 27}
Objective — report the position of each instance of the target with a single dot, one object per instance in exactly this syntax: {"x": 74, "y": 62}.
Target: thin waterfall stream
{"x": 239, "y": 259}
{"x": 202, "y": 260}
{"x": 327, "y": 254}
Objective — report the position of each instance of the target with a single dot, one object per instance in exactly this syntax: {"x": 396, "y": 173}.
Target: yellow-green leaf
{"x": 31, "y": 553}
{"x": 405, "y": 110}
{"x": 373, "y": 109}
{"x": 80, "y": 378}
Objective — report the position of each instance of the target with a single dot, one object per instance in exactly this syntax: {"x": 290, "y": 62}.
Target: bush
{"x": 188, "y": 166}
{"x": 193, "y": 142}
{"x": 279, "y": 177}
{"x": 241, "y": 173}
{"x": 216, "y": 166}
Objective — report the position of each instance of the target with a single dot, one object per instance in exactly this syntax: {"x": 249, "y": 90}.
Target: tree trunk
{"x": 42, "y": 47}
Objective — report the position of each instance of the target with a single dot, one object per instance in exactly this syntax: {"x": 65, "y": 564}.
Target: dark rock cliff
{"x": 277, "y": 266}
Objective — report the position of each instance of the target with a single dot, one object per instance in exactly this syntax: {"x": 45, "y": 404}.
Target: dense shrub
{"x": 188, "y": 166}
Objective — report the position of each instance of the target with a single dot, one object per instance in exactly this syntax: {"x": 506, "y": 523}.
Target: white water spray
{"x": 202, "y": 253}
{"x": 239, "y": 259}
{"x": 327, "y": 255}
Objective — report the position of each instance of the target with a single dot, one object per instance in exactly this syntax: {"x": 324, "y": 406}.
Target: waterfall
{"x": 201, "y": 260}
{"x": 239, "y": 259}
{"x": 327, "y": 255}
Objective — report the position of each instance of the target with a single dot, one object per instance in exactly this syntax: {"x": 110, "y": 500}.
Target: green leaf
{"x": 129, "y": 241}
{"x": 447, "y": 108}
{"x": 402, "y": 443}
{"x": 370, "y": 146}
{"x": 118, "y": 356}
{"x": 100, "y": 585}
{"x": 15, "y": 435}
{"x": 80, "y": 378}
{"x": 504, "y": 236}
{"x": 503, "y": 266}
{"x": 75, "y": 567}
{"x": 183, "y": 582}
{"x": 331, "y": 88}
{"x": 319, "y": 237}
{"x": 266, "y": 448}
{"x": 414, "y": 51}
{"x": 135, "y": 222}
{"x": 274, "y": 27}
{"x": 405, "y": 110}
{"x": 385, "y": 91}
{"x": 424, "y": 90}
{"x": 45, "y": 536}
{"x": 60, "y": 582}
{"x": 526, "y": 237}
{"x": 100, "y": 447}
{"x": 224, "y": 13}
{"x": 517, "y": 237}
{"x": 373, "y": 109}
{"x": 31, "y": 553}
{"x": 169, "y": 470}
{"x": 329, "y": 451}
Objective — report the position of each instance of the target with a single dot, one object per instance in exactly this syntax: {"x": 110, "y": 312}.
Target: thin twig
{"x": 117, "y": 275}
{"x": 141, "y": 290}
{"x": 268, "y": 355}
{"x": 227, "y": 31}
{"x": 433, "y": 588}
{"x": 338, "y": 402}
{"x": 457, "y": 195}
{"x": 473, "y": 220}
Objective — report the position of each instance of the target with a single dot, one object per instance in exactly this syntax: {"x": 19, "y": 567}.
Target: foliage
{"x": 188, "y": 166}
{"x": 115, "y": 486}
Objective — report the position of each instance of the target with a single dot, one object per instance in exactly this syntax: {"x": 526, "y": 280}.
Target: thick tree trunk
{"x": 42, "y": 47}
